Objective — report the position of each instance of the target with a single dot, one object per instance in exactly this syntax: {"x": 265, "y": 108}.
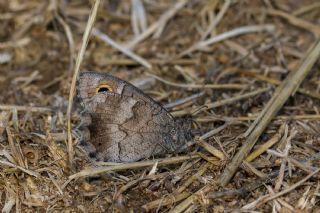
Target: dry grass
{"x": 246, "y": 71}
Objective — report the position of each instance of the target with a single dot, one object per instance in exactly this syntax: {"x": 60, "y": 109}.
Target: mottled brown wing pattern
{"x": 121, "y": 124}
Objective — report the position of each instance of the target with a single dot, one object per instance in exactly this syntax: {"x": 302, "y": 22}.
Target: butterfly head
{"x": 91, "y": 84}
{"x": 95, "y": 87}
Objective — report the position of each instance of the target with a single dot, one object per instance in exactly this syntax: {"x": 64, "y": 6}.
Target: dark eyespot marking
{"x": 92, "y": 154}
{"x": 103, "y": 89}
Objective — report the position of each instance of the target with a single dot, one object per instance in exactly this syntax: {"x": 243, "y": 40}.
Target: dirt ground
{"x": 217, "y": 62}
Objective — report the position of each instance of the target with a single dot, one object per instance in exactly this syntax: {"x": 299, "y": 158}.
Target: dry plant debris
{"x": 247, "y": 72}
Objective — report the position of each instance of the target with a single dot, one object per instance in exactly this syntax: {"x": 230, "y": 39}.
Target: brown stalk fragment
{"x": 166, "y": 201}
{"x": 315, "y": 29}
{"x": 125, "y": 166}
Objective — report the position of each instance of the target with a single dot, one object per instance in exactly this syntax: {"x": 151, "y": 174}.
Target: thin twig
{"x": 315, "y": 29}
{"x": 265, "y": 146}
{"x": 230, "y": 34}
{"x": 183, "y": 100}
{"x": 135, "y": 165}
{"x": 138, "y": 17}
{"x": 122, "y": 49}
{"x": 289, "y": 189}
{"x": 69, "y": 36}
{"x": 127, "y": 61}
{"x": 199, "y": 86}
{"x": 253, "y": 117}
{"x": 191, "y": 179}
{"x": 277, "y": 82}
{"x": 25, "y": 108}
{"x": 305, "y": 9}
{"x": 187, "y": 202}
{"x": 218, "y": 103}
{"x": 157, "y": 26}
{"x": 178, "y": 195}
{"x": 228, "y": 101}
{"x": 85, "y": 40}
{"x": 32, "y": 173}
{"x": 211, "y": 149}
{"x": 166, "y": 201}
{"x": 217, "y": 19}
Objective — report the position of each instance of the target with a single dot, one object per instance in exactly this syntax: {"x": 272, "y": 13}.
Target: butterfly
{"x": 120, "y": 123}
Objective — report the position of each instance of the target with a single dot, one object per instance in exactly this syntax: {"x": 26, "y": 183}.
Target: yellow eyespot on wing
{"x": 104, "y": 88}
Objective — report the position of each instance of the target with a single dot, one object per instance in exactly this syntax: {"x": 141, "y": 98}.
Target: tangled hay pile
{"x": 247, "y": 73}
